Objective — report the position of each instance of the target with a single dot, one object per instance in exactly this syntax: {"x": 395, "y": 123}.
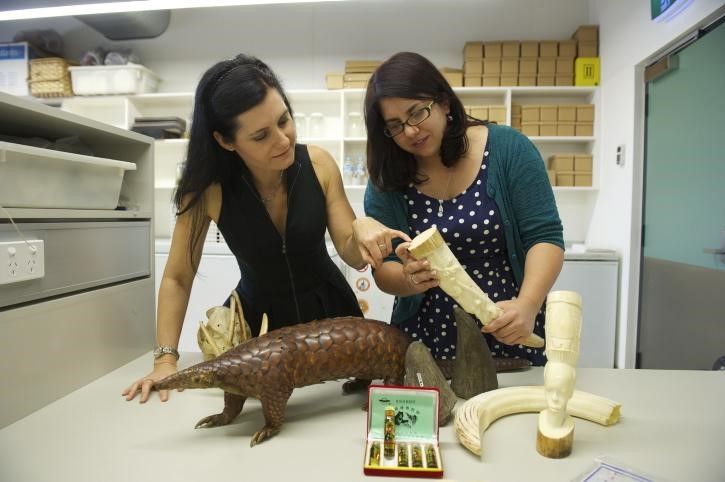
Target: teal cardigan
{"x": 517, "y": 181}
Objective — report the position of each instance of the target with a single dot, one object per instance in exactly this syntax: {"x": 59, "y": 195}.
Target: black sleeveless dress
{"x": 290, "y": 277}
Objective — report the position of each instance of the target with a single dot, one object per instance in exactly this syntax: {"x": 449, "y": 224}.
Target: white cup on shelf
{"x": 316, "y": 125}
{"x": 354, "y": 124}
{"x": 301, "y": 124}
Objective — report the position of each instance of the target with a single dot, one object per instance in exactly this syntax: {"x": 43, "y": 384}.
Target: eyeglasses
{"x": 415, "y": 118}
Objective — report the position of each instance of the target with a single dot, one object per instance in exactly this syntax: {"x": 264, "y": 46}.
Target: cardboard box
{"x": 587, "y": 49}
{"x": 361, "y": 66}
{"x": 333, "y": 80}
{"x": 586, "y": 71}
{"x": 565, "y": 179}
{"x": 566, "y": 113}
{"x": 509, "y": 79}
{"x": 567, "y": 48}
{"x": 566, "y": 79}
{"x": 546, "y": 66}
{"x": 529, "y": 49}
{"x": 473, "y": 50}
{"x": 585, "y": 113}
{"x": 530, "y": 128}
{"x": 584, "y": 129}
{"x": 479, "y": 111}
{"x": 516, "y": 122}
{"x": 515, "y": 110}
{"x": 530, "y": 113}
{"x": 587, "y": 33}
{"x": 552, "y": 176}
{"x": 548, "y": 48}
{"x": 527, "y": 80}
{"x": 356, "y": 84}
{"x": 510, "y": 66}
{"x": 14, "y": 68}
{"x": 565, "y": 66}
{"x": 491, "y": 80}
{"x": 548, "y": 113}
{"x": 510, "y": 49}
{"x": 491, "y": 66}
{"x": 473, "y": 67}
{"x": 454, "y": 79}
{"x": 546, "y": 80}
{"x": 583, "y": 163}
{"x": 472, "y": 80}
{"x": 528, "y": 66}
{"x": 565, "y": 129}
{"x": 583, "y": 179}
{"x": 492, "y": 50}
{"x": 547, "y": 128}
{"x": 415, "y": 444}
{"x": 362, "y": 77}
{"x": 497, "y": 114}
{"x": 561, "y": 162}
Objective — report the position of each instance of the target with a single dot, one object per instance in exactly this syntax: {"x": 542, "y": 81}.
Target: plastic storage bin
{"x": 113, "y": 79}
{"x": 31, "y": 177}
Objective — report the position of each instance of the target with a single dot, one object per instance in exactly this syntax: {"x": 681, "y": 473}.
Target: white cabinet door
{"x": 217, "y": 276}
{"x": 596, "y": 282}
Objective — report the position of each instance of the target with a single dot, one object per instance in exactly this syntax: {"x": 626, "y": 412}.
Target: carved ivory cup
{"x": 456, "y": 282}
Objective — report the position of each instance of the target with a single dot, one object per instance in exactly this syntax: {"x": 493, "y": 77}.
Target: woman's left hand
{"x": 375, "y": 240}
{"x": 516, "y": 322}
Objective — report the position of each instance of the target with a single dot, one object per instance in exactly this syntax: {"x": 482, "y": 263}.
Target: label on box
{"x": 14, "y": 68}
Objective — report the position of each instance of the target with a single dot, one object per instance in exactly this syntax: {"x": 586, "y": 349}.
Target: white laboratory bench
{"x": 672, "y": 427}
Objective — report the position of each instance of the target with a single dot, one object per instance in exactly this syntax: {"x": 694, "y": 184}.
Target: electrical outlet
{"x": 21, "y": 261}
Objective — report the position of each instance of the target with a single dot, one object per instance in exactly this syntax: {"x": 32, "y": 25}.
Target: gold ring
{"x": 412, "y": 280}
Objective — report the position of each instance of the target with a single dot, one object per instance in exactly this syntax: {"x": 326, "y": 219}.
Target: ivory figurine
{"x": 555, "y": 435}
{"x": 456, "y": 282}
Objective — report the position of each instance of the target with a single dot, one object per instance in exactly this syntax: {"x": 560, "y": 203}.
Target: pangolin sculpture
{"x": 271, "y": 366}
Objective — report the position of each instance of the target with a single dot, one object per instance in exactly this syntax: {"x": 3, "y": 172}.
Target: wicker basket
{"x": 49, "y": 77}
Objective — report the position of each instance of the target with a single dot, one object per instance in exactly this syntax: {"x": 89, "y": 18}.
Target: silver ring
{"x": 412, "y": 280}
{"x": 382, "y": 247}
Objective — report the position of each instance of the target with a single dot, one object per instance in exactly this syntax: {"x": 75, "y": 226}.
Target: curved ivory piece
{"x": 456, "y": 282}
{"x": 476, "y": 414}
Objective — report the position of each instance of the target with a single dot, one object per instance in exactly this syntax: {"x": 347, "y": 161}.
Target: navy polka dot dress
{"x": 470, "y": 224}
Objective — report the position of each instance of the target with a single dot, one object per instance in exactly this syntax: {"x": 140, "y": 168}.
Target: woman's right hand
{"x": 146, "y": 384}
{"x": 418, "y": 275}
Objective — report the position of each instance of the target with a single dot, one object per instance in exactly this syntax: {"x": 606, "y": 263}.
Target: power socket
{"x": 21, "y": 261}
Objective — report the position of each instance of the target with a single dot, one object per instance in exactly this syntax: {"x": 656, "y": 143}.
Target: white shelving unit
{"x": 333, "y": 108}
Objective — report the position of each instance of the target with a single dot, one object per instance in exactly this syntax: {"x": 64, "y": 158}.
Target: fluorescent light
{"x": 136, "y": 6}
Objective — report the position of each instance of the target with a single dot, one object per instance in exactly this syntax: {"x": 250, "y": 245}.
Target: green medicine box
{"x": 411, "y": 436}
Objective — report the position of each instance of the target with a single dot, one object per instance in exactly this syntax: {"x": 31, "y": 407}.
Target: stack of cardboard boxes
{"x": 356, "y": 76}
{"x": 570, "y": 170}
{"x": 587, "y": 62}
{"x": 492, "y": 113}
{"x": 514, "y": 63}
{"x": 554, "y": 119}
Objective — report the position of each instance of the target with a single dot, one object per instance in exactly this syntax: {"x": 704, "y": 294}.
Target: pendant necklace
{"x": 271, "y": 196}
{"x": 445, "y": 193}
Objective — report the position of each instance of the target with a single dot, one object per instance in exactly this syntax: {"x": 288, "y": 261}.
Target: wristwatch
{"x": 162, "y": 350}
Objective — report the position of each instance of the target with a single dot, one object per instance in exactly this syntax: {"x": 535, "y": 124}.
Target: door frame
{"x": 638, "y": 157}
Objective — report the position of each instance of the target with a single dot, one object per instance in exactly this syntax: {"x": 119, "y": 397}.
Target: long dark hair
{"x": 410, "y": 76}
{"x": 227, "y": 89}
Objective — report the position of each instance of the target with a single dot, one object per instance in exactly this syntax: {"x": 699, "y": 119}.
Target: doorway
{"x": 682, "y": 288}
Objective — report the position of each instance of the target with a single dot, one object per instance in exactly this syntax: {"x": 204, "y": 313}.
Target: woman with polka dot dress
{"x": 484, "y": 187}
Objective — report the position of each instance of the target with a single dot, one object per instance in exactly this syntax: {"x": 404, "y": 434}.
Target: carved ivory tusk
{"x": 456, "y": 282}
{"x": 476, "y": 414}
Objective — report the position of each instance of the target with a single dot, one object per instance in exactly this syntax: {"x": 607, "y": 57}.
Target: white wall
{"x": 628, "y": 38}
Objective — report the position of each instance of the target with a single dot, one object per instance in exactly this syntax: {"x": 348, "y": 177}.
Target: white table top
{"x": 672, "y": 428}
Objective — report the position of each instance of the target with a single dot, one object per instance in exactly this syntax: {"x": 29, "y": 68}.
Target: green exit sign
{"x": 665, "y": 10}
